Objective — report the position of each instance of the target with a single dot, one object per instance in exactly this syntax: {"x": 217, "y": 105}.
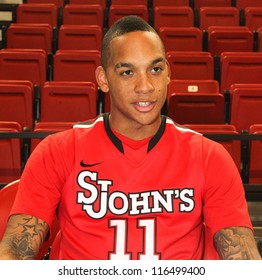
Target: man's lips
{"x": 144, "y": 106}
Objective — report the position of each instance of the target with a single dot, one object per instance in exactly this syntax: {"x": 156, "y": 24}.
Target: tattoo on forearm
{"x": 236, "y": 243}
{"x": 32, "y": 232}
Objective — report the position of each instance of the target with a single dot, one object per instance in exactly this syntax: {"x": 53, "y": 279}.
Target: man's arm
{"x": 236, "y": 243}
{"x": 23, "y": 237}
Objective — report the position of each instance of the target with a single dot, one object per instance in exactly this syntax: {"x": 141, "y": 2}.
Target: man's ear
{"x": 168, "y": 72}
{"x": 101, "y": 79}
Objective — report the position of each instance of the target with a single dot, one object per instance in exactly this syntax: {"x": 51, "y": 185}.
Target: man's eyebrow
{"x": 157, "y": 60}
{"x": 123, "y": 64}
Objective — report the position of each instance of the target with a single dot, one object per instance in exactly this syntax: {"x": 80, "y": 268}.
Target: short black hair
{"x": 120, "y": 27}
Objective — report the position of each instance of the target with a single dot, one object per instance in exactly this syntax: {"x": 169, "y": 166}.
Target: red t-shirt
{"x": 121, "y": 199}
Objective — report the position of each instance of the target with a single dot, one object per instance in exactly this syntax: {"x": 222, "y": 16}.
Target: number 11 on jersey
{"x": 121, "y": 239}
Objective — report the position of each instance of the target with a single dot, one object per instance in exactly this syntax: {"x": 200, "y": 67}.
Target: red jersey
{"x": 137, "y": 200}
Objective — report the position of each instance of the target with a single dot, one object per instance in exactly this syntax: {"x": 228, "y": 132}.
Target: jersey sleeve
{"x": 42, "y": 180}
{"x": 224, "y": 196}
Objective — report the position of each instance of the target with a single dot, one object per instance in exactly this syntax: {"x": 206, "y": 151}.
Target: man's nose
{"x": 143, "y": 84}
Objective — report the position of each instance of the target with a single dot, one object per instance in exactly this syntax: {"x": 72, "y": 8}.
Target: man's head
{"x": 122, "y": 26}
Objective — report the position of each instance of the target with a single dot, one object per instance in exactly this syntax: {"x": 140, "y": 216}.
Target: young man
{"x": 131, "y": 184}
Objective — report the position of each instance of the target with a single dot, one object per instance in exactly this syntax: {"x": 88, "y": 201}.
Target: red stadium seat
{"x": 68, "y": 101}
{"x": 30, "y": 36}
{"x": 16, "y": 99}
{"x": 117, "y": 11}
{"x": 232, "y": 146}
{"x": 229, "y": 39}
{"x": 7, "y": 197}
{"x": 58, "y": 3}
{"x": 172, "y": 16}
{"x": 76, "y": 65}
{"x": 180, "y": 3}
{"x": 181, "y": 38}
{"x": 242, "y": 4}
{"x": 218, "y": 16}
{"x": 129, "y": 2}
{"x": 80, "y": 37}
{"x": 192, "y": 86}
{"x": 201, "y": 108}
{"x": 253, "y": 18}
{"x": 10, "y": 154}
{"x": 103, "y": 3}
{"x": 23, "y": 64}
{"x": 240, "y": 67}
{"x": 211, "y": 3}
{"x": 83, "y": 14}
{"x": 246, "y": 102}
{"x": 255, "y": 162}
{"x": 191, "y": 65}
{"x": 38, "y": 13}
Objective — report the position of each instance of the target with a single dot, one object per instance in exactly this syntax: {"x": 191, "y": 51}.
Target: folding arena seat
{"x": 191, "y": 65}
{"x": 16, "y": 99}
{"x": 83, "y": 14}
{"x": 180, "y": 3}
{"x": 242, "y": 4}
{"x": 68, "y": 101}
{"x": 116, "y": 12}
{"x": 172, "y": 16}
{"x": 201, "y": 108}
{"x": 253, "y": 17}
{"x": 38, "y": 13}
{"x": 211, "y": 3}
{"x": 7, "y": 197}
{"x": 103, "y": 3}
{"x": 246, "y": 102}
{"x": 239, "y": 67}
{"x": 80, "y": 37}
{"x": 232, "y": 146}
{"x": 58, "y": 3}
{"x": 129, "y": 2}
{"x": 229, "y": 39}
{"x": 192, "y": 86}
{"x": 76, "y": 65}
{"x": 181, "y": 38}
{"x": 24, "y": 64}
{"x": 218, "y": 16}
{"x": 255, "y": 158}
{"x": 30, "y": 36}
{"x": 49, "y": 127}
{"x": 10, "y": 153}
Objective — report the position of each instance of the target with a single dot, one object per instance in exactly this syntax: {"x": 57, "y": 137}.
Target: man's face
{"x": 136, "y": 76}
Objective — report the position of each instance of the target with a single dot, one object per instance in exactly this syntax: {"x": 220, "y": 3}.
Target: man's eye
{"x": 156, "y": 69}
{"x": 126, "y": 73}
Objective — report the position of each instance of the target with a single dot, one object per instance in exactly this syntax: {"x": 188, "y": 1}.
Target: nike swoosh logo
{"x": 89, "y": 165}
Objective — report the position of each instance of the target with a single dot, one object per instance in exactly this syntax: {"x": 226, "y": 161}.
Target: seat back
{"x": 191, "y": 65}
{"x": 178, "y": 3}
{"x": 76, "y": 65}
{"x": 80, "y": 37}
{"x": 172, "y": 16}
{"x": 30, "y": 36}
{"x": 118, "y": 11}
{"x": 16, "y": 99}
{"x": 192, "y": 86}
{"x": 83, "y": 14}
{"x": 211, "y": 3}
{"x": 7, "y": 197}
{"x": 235, "y": 66}
{"x": 218, "y": 16}
{"x": 246, "y": 103}
{"x": 253, "y": 17}
{"x": 190, "y": 108}
{"x": 38, "y": 13}
{"x": 181, "y": 38}
{"x": 23, "y": 64}
{"x": 68, "y": 101}
{"x": 103, "y": 3}
{"x": 10, "y": 153}
{"x": 58, "y": 3}
{"x": 255, "y": 162}
{"x": 242, "y": 4}
{"x": 229, "y": 39}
